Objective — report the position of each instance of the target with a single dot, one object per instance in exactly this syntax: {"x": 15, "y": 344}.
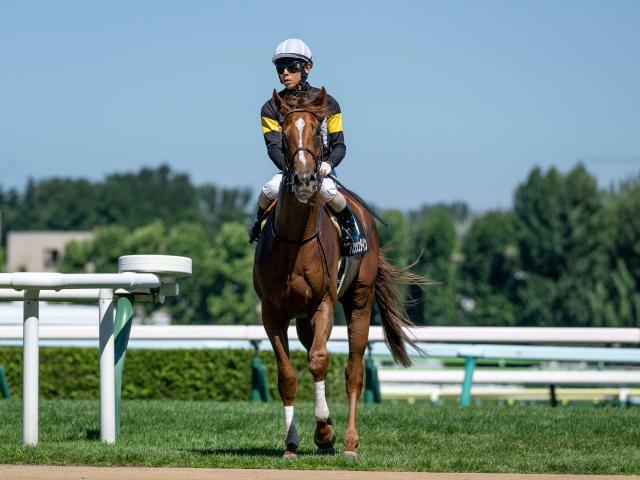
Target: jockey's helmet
{"x": 293, "y": 48}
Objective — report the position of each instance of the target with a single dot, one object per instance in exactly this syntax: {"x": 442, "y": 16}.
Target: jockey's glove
{"x": 325, "y": 169}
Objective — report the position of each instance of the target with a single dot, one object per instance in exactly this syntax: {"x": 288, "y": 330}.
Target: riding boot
{"x": 351, "y": 240}
{"x": 254, "y": 230}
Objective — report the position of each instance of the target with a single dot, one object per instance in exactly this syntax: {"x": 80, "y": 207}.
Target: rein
{"x": 295, "y": 242}
{"x": 288, "y": 175}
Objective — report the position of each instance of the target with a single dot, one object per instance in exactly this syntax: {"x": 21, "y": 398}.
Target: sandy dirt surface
{"x": 41, "y": 472}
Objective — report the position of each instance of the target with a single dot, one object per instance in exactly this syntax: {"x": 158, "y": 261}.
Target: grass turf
{"x": 393, "y": 436}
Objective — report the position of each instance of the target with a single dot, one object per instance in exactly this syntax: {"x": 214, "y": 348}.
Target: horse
{"x": 296, "y": 265}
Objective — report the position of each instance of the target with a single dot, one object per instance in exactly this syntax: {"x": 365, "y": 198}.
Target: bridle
{"x": 289, "y": 172}
{"x": 288, "y": 156}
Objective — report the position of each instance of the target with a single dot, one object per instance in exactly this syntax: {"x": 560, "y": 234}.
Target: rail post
{"x": 30, "y": 354}
{"x": 4, "y": 385}
{"x": 553, "y": 397}
{"x": 259, "y": 384}
{"x": 372, "y": 384}
{"x": 465, "y": 395}
{"x": 122, "y": 329}
{"x": 107, "y": 367}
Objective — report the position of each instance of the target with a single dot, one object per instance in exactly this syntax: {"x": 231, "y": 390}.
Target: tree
{"x": 232, "y": 298}
{"x": 135, "y": 199}
{"x": 487, "y": 270}
{"x": 127, "y": 199}
{"x": 433, "y": 244}
{"x": 217, "y": 206}
{"x": 395, "y": 238}
{"x": 220, "y": 289}
{"x": 617, "y": 298}
{"x": 561, "y": 235}
{"x": 625, "y": 215}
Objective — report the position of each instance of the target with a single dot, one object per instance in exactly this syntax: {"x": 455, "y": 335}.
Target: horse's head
{"x": 302, "y": 144}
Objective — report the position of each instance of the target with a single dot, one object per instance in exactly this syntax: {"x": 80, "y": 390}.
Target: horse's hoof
{"x": 291, "y": 451}
{"x": 350, "y": 454}
{"x": 326, "y": 445}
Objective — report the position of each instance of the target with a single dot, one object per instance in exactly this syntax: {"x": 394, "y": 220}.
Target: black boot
{"x": 254, "y": 230}
{"x": 352, "y": 241}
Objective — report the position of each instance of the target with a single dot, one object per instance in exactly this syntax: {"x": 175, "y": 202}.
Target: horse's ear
{"x": 281, "y": 105}
{"x": 320, "y": 98}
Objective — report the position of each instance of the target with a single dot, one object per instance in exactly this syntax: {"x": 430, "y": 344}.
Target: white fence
{"x": 531, "y": 335}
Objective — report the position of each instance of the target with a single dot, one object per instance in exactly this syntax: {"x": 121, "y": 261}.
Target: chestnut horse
{"x": 295, "y": 272}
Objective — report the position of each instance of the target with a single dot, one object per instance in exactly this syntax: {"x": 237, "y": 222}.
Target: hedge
{"x": 221, "y": 375}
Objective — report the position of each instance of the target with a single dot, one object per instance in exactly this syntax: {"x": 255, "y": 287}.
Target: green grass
{"x": 393, "y": 436}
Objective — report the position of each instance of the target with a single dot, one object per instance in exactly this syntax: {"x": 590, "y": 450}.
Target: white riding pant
{"x": 270, "y": 190}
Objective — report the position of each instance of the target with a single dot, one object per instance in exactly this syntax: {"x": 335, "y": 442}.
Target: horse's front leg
{"x": 322, "y": 323}
{"x": 276, "y": 329}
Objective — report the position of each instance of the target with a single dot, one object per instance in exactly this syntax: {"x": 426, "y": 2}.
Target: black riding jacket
{"x": 332, "y": 135}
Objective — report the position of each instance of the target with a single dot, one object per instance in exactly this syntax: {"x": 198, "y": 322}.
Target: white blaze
{"x": 322, "y": 409}
{"x": 290, "y": 427}
{"x": 300, "y": 127}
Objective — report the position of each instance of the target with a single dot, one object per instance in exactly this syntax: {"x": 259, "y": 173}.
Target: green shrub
{"x": 222, "y": 375}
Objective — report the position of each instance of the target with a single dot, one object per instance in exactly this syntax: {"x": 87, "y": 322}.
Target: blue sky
{"x": 442, "y": 101}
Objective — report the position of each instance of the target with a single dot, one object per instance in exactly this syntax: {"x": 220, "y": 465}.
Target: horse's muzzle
{"x": 305, "y": 185}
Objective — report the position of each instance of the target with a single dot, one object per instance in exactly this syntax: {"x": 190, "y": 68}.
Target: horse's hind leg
{"x": 357, "y": 309}
{"x": 287, "y": 382}
{"x": 321, "y": 324}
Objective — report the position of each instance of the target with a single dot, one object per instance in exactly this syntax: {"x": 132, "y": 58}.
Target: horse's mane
{"x": 303, "y": 103}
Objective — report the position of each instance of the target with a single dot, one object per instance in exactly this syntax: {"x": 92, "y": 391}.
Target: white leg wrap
{"x": 322, "y": 409}
{"x": 291, "y": 435}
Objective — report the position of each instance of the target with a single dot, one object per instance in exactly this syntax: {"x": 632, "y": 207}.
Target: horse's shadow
{"x": 92, "y": 434}
{"x": 243, "y": 452}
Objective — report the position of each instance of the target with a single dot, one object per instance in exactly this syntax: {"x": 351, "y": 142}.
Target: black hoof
{"x": 291, "y": 451}
{"x": 326, "y": 445}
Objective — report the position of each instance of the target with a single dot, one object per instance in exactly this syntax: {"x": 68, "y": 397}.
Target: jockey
{"x": 293, "y": 63}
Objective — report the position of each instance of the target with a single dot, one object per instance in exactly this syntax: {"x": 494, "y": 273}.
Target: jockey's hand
{"x": 325, "y": 169}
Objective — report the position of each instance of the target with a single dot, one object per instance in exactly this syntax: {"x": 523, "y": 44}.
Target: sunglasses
{"x": 292, "y": 66}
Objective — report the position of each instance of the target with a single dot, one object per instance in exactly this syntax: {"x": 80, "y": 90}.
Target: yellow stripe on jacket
{"x": 334, "y": 124}
{"x": 270, "y": 125}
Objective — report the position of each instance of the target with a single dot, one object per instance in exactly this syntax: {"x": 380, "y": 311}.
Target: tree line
{"x": 566, "y": 254}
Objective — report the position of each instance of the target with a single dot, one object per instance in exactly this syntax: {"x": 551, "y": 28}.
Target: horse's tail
{"x": 392, "y": 311}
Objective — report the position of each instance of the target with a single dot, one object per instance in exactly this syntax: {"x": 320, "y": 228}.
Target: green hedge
{"x": 154, "y": 374}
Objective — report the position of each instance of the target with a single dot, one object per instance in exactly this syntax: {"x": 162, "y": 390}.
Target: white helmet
{"x": 293, "y": 48}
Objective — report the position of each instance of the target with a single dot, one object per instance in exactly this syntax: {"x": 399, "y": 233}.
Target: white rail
{"x": 506, "y": 376}
{"x": 59, "y": 281}
{"x": 75, "y": 295}
{"x": 628, "y": 336}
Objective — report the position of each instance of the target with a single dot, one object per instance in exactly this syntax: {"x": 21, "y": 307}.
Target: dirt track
{"x": 24, "y": 472}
